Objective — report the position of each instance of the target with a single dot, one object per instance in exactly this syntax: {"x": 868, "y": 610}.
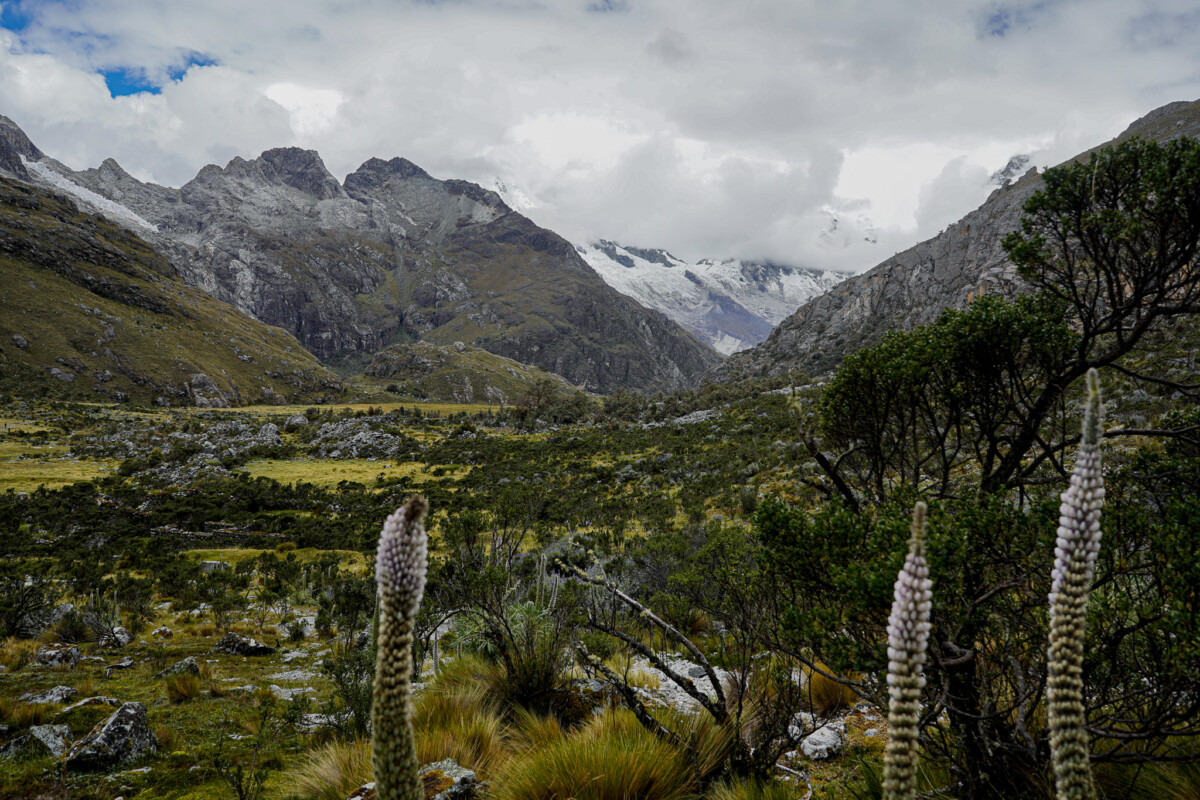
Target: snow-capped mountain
{"x": 730, "y": 304}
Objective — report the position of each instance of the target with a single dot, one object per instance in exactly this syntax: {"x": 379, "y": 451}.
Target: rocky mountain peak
{"x": 300, "y": 169}
{"x": 375, "y": 172}
{"x": 14, "y": 145}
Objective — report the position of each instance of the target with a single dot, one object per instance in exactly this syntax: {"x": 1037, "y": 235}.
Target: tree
{"x": 1108, "y": 248}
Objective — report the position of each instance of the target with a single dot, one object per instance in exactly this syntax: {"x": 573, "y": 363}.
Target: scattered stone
{"x": 122, "y": 738}
{"x": 187, "y": 666}
{"x": 20, "y": 341}
{"x": 235, "y": 644}
{"x": 40, "y": 740}
{"x": 163, "y": 632}
{"x": 88, "y": 702}
{"x": 59, "y": 694}
{"x": 289, "y": 694}
{"x": 118, "y": 638}
{"x": 57, "y": 655}
{"x": 801, "y": 722}
{"x": 293, "y": 675}
{"x": 446, "y": 780}
{"x": 124, "y": 663}
{"x": 826, "y": 741}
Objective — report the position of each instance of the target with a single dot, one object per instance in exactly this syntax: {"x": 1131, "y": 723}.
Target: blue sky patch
{"x": 128, "y": 80}
{"x": 14, "y": 17}
{"x": 133, "y": 80}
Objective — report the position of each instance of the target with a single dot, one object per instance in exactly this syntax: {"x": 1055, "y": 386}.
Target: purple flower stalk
{"x": 400, "y": 568}
{"x": 1075, "y": 553}
{"x": 908, "y": 638}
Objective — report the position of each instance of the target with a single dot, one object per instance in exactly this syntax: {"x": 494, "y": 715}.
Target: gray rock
{"x": 824, "y": 742}
{"x": 89, "y": 702}
{"x": 65, "y": 377}
{"x": 121, "y": 739}
{"x": 207, "y": 567}
{"x": 462, "y": 781}
{"x": 40, "y": 740}
{"x": 187, "y": 666}
{"x": 236, "y": 644}
{"x": 20, "y": 341}
{"x": 57, "y": 655}
{"x": 289, "y": 694}
{"x": 59, "y": 694}
{"x": 164, "y": 632}
{"x": 119, "y": 638}
{"x": 295, "y": 421}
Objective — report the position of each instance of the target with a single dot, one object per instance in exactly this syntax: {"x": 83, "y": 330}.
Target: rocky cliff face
{"x": 391, "y": 254}
{"x": 914, "y": 287}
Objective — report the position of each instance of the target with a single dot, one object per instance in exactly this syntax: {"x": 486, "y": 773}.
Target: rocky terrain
{"x": 913, "y": 287}
{"x": 390, "y": 254}
{"x": 730, "y": 304}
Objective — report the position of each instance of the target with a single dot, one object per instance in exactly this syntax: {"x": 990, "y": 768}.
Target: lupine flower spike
{"x": 1075, "y": 554}
{"x": 400, "y": 568}
{"x": 908, "y": 637}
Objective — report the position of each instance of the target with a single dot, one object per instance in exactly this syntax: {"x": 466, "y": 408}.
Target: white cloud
{"x": 707, "y": 127}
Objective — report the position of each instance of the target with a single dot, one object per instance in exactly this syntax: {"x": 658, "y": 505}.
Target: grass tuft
{"x": 181, "y": 688}
{"x": 331, "y": 772}
{"x": 610, "y": 758}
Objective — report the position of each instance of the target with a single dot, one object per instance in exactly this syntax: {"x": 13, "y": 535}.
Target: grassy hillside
{"x": 455, "y": 373}
{"x": 90, "y": 311}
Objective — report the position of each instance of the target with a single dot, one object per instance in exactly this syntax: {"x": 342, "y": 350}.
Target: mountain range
{"x": 390, "y": 255}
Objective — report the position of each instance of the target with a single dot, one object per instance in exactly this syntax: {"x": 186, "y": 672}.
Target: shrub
{"x": 332, "y": 772}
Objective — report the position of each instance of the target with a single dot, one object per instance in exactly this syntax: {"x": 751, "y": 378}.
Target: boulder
{"x": 235, "y": 644}
{"x": 59, "y": 694}
{"x": 118, "y": 638}
{"x": 826, "y": 741}
{"x": 295, "y": 421}
{"x": 20, "y": 341}
{"x": 121, "y": 739}
{"x": 446, "y": 780}
{"x": 57, "y": 655}
{"x": 40, "y": 740}
{"x": 187, "y": 666}
{"x": 164, "y": 632}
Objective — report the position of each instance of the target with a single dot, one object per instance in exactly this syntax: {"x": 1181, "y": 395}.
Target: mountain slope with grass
{"x": 913, "y": 287}
{"x": 89, "y": 311}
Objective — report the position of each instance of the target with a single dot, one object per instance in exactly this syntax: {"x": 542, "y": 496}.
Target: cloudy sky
{"x": 708, "y": 127}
